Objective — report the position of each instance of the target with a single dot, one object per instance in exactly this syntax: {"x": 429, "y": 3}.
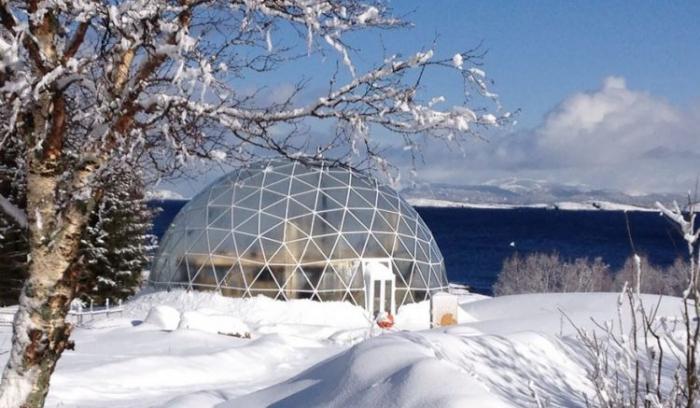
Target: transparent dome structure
{"x": 291, "y": 230}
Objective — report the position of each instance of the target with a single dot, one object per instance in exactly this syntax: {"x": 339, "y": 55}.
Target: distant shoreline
{"x": 564, "y": 206}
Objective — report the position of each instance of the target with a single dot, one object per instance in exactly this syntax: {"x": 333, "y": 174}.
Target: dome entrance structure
{"x": 290, "y": 230}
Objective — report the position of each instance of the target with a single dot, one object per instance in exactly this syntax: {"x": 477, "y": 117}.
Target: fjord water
{"x": 475, "y": 242}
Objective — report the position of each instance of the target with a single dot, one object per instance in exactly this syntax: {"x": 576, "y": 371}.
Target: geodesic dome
{"x": 290, "y": 230}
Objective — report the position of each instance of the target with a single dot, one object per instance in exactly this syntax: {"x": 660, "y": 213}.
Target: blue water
{"x": 474, "y": 242}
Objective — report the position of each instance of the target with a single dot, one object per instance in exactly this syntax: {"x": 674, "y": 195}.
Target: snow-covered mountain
{"x": 513, "y": 192}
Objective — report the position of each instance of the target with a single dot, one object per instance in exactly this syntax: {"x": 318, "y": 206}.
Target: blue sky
{"x": 541, "y": 52}
{"x": 608, "y": 92}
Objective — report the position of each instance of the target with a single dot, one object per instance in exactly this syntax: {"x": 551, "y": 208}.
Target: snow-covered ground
{"x": 307, "y": 354}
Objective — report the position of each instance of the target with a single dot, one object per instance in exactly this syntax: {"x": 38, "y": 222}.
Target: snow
{"x": 164, "y": 195}
{"x": 303, "y": 353}
{"x": 211, "y": 321}
{"x": 458, "y": 61}
{"x": 163, "y": 317}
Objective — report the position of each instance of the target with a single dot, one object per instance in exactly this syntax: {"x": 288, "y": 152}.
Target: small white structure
{"x": 443, "y": 309}
{"x": 380, "y": 286}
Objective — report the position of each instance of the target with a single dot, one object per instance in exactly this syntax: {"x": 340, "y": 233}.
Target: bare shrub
{"x": 540, "y": 273}
{"x": 652, "y": 277}
{"x": 671, "y": 281}
{"x": 677, "y": 277}
{"x": 650, "y": 360}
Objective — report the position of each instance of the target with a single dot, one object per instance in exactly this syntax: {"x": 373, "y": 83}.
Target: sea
{"x": 475, "y": 242}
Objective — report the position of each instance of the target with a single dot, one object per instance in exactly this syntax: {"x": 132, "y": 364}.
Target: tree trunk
{"x": 40, "y": 329}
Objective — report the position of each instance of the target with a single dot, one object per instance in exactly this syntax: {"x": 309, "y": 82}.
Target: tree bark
{"x": 41, "y": 332}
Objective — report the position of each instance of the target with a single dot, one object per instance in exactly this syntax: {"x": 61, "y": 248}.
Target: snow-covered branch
{"x": 19, "y": 216}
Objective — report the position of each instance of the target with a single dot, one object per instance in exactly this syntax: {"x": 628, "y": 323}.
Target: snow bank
{"x": 212, "y": 322}
{"x": 165, "y": 317}
{"x": 501, "y": 346}
{"x": 547, "y": 312}
{"x": 511, "y": 346}
{"x": 257, "y": 311}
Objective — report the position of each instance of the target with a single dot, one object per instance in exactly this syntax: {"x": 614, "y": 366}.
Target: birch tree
{"x": 156, "y": 84}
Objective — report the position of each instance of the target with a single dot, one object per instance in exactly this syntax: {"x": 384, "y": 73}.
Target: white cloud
{"x": 613, "y": 137}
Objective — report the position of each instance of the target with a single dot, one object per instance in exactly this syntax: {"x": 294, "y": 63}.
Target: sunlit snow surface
{"x": 306, "y": 354}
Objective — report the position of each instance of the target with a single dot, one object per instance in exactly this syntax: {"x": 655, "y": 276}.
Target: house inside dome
{"x": 291, "y": 230}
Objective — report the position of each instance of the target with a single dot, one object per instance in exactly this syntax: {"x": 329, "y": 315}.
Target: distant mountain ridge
{"x": 513, "y": 192}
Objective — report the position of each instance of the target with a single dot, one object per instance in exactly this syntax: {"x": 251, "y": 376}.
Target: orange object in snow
{"x": 386, "y": 322}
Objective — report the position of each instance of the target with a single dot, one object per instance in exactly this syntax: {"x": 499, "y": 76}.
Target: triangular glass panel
{"x": 292, "y": 232}
{"x": 357, "y": 241}
{"x": 276, "y": 232}
{"x": 387, "y": 241}
{"x": 216, "y": 238}
{"x": 355, "y": 200}
{"x": 241, "y": 215}
{"x": 273, "y": 177}
{"x": 281, "y": 256}
{"x": 296, "y": 209}
{"x": 269, "y": 247}
{"x": 361, "y": 182}
{"x": 253, "y": 253}
{"x": 242, "y": 241}
{"x": 343, "y": 250}
{"x": 375, "y": 248}
{"x": 329, "y": 181}
{"x": 223, "y": 197}
{"x": 307, "y": 199}
{"x": 326, "y": 202}
{"x": 278, "y": 210}
{"x": 268, "y": 222}
{"x": 380, "y": 225}
{"x": 309, "y": 178}
{"x": 313, "y": 253}
{"x": 370, "y": 196}
{"x": 387, "y": 202}
{"x": 250, "y": 226}
{"x": 251, "y": 202}
{"x": 391, "y": 218}
{"x": 352, "y": 224}
{"x": 281, "y": 187}
{"x": 197, "y": 242}
{"x": 341, "y": 175}
{"x": 338, "y": 195}
{"x": 242, "y": 191}
{"x": 265, "y": 280}
{"x": 299, "y": 186}
{"x": 220, "y": 217}
{"x": 322, "y": 227}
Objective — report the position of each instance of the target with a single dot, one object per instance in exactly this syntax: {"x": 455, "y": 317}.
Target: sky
{"x": 607, "y": 94}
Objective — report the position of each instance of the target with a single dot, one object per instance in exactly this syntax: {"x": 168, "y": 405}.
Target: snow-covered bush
{"x": 540, "y": 273}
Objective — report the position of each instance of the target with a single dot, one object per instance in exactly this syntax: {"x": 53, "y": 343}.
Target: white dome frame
{"x": 292, "y": 230}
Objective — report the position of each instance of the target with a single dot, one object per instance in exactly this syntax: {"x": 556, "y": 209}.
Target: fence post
{"x": 80, "y": 313}
{"x": 107, "y": 307}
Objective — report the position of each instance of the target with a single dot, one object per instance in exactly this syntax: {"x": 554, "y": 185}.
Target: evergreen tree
{"x": 13, "y": 236}
{"x": 117, "y": 245}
